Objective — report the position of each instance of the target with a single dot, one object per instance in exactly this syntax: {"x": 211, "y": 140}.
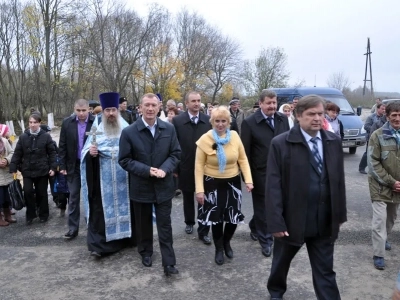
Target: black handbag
{"x": 16, "y": 194}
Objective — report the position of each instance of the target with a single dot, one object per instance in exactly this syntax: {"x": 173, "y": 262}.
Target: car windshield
{"x": 340, "y": 101}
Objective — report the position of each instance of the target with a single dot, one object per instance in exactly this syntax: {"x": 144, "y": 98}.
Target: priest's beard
{"x": 112, "y": 125}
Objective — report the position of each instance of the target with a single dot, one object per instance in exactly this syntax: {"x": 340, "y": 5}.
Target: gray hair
{"x": 267, "y": 94}
{"x": 170, "y": 101}
{"x": 307, "y": 102}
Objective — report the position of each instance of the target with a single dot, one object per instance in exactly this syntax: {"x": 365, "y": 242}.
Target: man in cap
{"x": 237, "y": 114}
{"x": 105, "y": 190}
{"x": 124, "y": 112}
{"x": 92, "y": 105}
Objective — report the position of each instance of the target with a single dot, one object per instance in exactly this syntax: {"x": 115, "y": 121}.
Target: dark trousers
{"x": 364, "y": 160}
{"x": 4, "y": 197}
{"x": 144, "y": 230}
{"x": 190, "y": 214}
{"x": 38, "y": 186}
{"x": 258, "y": 224}
{"x": 320, "y": 253}
{"x": 74, "y": 201}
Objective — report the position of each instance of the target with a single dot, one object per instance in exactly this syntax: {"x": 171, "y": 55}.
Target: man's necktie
{"x": 269, "y": 120}
{"x": 315, "y": 153}
{"x": 193, "y": 119}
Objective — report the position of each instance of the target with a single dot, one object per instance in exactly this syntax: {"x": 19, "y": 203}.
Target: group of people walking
{"x": 294, "y": 171}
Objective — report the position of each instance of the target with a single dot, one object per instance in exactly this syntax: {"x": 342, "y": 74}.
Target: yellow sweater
{"x": 207, "y": 161}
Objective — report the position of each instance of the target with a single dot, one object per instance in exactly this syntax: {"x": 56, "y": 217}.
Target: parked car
{"x": 354, "y": 133}
{"x": 387, "y": 101}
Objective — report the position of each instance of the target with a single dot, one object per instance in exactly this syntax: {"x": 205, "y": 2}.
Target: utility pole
{"x": 368, "y": 62}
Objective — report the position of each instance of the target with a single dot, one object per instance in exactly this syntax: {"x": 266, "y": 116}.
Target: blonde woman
{"x": 220, "y": 157}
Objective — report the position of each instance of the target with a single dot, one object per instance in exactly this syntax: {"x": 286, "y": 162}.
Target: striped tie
{"x": 269, "y": 120}
{"x": 315, "y": 153}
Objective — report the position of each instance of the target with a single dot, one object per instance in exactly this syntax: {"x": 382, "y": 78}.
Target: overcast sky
{"x": 320, "y": 37}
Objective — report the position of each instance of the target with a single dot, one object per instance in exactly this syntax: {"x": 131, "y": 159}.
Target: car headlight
{"x": 363, "y": 131}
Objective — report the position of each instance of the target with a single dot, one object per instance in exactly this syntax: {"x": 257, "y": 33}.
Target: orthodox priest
{"x": 105, "y": 189}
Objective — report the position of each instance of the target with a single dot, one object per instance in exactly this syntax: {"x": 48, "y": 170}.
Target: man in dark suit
{"x": 72, "y": 138}
{"x": 150, "y": 152}
{"x": 306, "y": 198}
{"x": 190, "y": 126}
{"x": 257, "y": 132}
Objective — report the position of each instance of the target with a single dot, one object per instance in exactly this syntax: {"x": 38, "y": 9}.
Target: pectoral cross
{"x": 93, "y": 132}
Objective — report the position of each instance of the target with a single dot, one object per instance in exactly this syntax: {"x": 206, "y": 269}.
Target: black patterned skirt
{"x": 222, "y": 201}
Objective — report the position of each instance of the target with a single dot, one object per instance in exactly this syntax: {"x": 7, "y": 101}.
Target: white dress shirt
{"x": 151, "y": 128}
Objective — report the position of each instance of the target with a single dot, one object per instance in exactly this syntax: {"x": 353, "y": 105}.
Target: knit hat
{"x": 3, "y": 130}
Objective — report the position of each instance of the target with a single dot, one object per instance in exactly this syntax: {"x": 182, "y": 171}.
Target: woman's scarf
{"x": 220, "y": 142}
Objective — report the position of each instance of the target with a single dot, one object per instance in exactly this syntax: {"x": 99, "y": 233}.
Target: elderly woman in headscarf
{"x": 287, "y": 111}
{"x": 6, "y": 153}
{"x": 220, "y": 157}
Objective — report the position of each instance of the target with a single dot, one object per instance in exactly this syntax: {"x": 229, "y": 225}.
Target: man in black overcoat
{"x": 256, "y": 133}
{"x": 150, "y": 152}
{"x": 190, "y": 126}
{"x": 72, "y": 138}
{"x": 305, "y": 198}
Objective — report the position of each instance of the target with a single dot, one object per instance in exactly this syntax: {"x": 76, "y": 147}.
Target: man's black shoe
{"x": 206, "y": 240}
{"x": 168, "y": 270}
{"x": 29, "y": 222}
{"x": 274, "y": 298}
{"x": 266, "y": 251}
{"x": 43, "y": 220}
{"x": 95, "y": 254}
{"x": 363, "y": 172}
{"x": 254, "y": 236}
{"x": 189, "y": 229}
{"x": 70, "y": 235}
{"x": 146, "y": 261}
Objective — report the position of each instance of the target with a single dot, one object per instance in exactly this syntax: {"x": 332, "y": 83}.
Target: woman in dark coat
{"x": 35, "y": 157}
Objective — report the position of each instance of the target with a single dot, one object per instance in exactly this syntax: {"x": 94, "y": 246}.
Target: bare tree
{"x": 195, "y": 39}
{"x": 116, "y": 39}
{"x": 266, "y": 71}
{"x": 338, "y": 81}
{"x": 223, "y": 65}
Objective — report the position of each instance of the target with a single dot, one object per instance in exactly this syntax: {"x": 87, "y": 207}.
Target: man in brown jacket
{"x": 384, "y": 181}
